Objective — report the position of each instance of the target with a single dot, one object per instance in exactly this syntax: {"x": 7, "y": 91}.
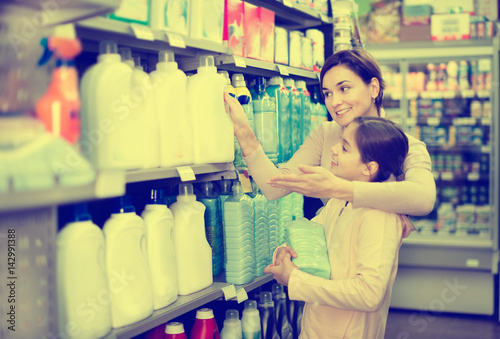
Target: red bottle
{"x": 205, "y": 326}
{"x": 174, "y": 330}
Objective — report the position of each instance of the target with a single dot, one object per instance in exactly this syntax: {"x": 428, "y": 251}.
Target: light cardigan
{"x": 415, "y": 195}
{"x": 363, "y": 246}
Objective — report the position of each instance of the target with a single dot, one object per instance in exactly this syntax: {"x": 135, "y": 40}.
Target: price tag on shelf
{"x": 241, "y": 295}
{"x": 283, "y": 70}
{"x": 447, "y": 176}
{"x": 245, "y": 181}
{"x": 229, "y": 292}
{"x": 142, "y": 32}
{"x": 239, "y": 61}
{"x": 449, "y": 94}
{"x": 186, "y": 173}
{"x": 472, "y": 263}
{"x": 287, "y": 3}
{"x": 433, "y": 121}
{"x": 473, "y": 176}
{"x": 324, "y": 17}
{"x": 175, "y": 40}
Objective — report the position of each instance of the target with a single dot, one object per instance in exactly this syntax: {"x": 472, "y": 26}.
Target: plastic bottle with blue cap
{"x": 81, "y": 276}
{"x": 160, "y": 222}
{"x": 127, "y": 265}
{"x": 192, "y": 251}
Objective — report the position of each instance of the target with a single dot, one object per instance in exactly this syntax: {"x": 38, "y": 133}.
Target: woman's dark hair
{"x": 360, "y": 62}
{"x": 384, "y": 142}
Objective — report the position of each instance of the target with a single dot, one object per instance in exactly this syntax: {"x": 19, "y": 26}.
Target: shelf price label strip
{"x": 186, "y": 173}
{"x": 142, "y": 32}
{"x": 175, "y": 40}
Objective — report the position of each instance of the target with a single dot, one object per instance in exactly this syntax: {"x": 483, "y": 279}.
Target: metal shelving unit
{"x": 184, "y": 304}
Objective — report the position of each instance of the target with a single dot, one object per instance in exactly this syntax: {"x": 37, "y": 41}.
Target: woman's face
{"x": 347, "y": 96}
{"x": 346, "y": 159}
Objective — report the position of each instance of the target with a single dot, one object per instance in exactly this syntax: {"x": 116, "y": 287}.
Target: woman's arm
{"x": 415, "y": 195}
{"x": 259, "y": 165}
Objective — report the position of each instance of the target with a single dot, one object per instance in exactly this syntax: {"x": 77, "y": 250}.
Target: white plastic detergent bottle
{"x": 81, "y": 276}
{"x": 107, "y": 113}
{"x": 192, "y": 251}
{"x": 176, "y": 131}
{"x": 160, "y": 222}
{"x": 127, "y": 265}
{"x": 232, "y": 326}
{"x": 250, "y": 321}
{"x": 147, "y": 136}
{"x": 213, "y": 130}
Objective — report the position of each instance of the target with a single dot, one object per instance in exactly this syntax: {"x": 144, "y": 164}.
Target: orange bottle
{"x": 59, "y": 107}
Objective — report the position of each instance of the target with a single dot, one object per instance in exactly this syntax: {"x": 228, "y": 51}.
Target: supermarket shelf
{"x": 448, "y": 252}
{"x": 427, "y": 50}
{"x": 459, "y": 148}
{"x": 200, "y": 171}
{"x": 447, "y": 94}
{"x": 94, "y": 30}
{"x": 59, "y": 12}
{"x": 182, "y": 305}
{"x": 292, "y": 15}
{"x": 107, "y": 184}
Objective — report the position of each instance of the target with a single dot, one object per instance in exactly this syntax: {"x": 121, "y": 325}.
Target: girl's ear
{"x": 375, "y": 87}
{"x": 370, "y": 169}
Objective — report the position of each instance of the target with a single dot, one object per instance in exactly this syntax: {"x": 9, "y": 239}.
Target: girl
{"x": 363, "y": 243}
{"x": 352, "y": 86}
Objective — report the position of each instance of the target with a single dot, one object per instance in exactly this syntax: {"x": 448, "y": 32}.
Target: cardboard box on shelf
{"x": 267, "y": 34}
{"x": 252, "y": 31}
{"x": 450, "y": 26}
{"x": 233, "y": 31}
{"x": 416, "y": 15}
{"x": 487, "y": 8}
{"x": 415, "y": 33}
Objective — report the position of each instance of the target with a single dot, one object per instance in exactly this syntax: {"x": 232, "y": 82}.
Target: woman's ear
{"x": 375, "y": 87}
{"x": 370, "y": 169}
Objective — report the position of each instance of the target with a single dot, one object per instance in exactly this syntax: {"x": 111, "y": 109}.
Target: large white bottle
{"x": 107, "y": 114}
{"x": 176, "y": 131}
{"x": 192, "y": 251}
{"x": 160, "y": 222}
{"x": 81, "y": 276}
{"x": 213, "y": 130}
{"x": 127, "y": 265}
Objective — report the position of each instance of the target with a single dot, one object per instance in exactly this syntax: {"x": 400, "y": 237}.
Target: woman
{"x": 362, "y": 243}
{"x": 352, "y": 86}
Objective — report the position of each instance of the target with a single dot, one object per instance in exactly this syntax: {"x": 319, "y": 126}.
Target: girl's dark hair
{"x": 384, "y": 142}
{"x": 360, "y": 62}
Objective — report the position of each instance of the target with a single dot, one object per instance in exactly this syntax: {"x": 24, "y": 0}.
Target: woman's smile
{"x": 343, "y": 111}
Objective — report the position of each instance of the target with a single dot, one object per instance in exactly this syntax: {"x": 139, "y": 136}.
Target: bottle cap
{"x": 238, "y": 80}
{"x": 276, "y": 80}
{"x": 186, "y": 189}
{"x": 207, "y": 64}
{"x": 137, "y": 61}
{"x": 225, "y": 74}
{"x": 232, "y": 314}
{"x": 126, "y": 53}
{"x": 174, "y": 328}
{"x": 207, "y": 188}
{"x": 250, "y": 304}
{"x": 157, "y": 196}
{"x": 123, "y": 205}
{"x": 166, "y": 56}
{"x": 237, "y": 188}
{"x": 204, "y": 313}
{"x": 108, "y": 47}
{"x": 266, "y": 299}
{"x": 289, "y": 82}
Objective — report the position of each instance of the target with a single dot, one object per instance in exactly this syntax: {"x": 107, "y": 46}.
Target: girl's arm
{"x": 415, "y": 195}
{"x": 378, "y": 245}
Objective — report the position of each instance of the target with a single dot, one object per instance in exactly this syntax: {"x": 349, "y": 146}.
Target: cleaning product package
{"x": 307, "y": 238}
{"x": 170, "y": 15}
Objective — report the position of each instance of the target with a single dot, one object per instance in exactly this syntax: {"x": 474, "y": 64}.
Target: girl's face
{"x": 347, "y": 96}
{"x": 346, "y": 159}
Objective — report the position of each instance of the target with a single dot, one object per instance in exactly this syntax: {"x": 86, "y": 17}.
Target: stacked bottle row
{"x": 271, "y": 316}
{"x": 136, "y": 264}
{"x": 135, "y": 120}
